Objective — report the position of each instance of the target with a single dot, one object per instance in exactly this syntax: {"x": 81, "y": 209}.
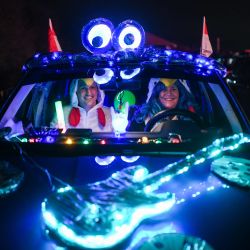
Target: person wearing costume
{"x": 164, "y": 94}
{"x": 86, "y": 110}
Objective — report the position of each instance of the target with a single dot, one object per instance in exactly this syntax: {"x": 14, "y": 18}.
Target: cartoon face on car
{"x": 119, "y": 137}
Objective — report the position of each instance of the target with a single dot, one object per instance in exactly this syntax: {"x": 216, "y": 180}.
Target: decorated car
{"x": 123, "y": 147}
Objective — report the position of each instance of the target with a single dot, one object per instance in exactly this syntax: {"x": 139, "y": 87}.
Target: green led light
{"x": 24, "y": 140}
{"x": 158, "y": 141}
{"x": 60, "y": 115}
{"x": 86, "y": 141}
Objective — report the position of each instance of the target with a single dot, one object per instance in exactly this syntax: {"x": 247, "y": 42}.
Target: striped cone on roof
{"x": 206, "y": 48}
{"x": 52, "y": 39}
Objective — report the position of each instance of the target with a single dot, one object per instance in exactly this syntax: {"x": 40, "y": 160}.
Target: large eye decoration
{"x": 96, "y": 35}
{"x": 128, "y": 35}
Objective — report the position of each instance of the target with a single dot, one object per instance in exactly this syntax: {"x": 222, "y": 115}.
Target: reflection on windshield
{"x": 168, "y": 104}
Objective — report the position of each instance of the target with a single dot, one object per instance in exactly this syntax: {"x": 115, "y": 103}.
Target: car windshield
{"x": 54, "y": 107}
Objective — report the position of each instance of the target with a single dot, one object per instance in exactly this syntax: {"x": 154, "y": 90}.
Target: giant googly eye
{"x": 128, "y": 35}
{"x": 96, "y": 35}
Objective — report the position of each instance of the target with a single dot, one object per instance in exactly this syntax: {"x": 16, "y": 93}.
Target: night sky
{"x": 24, "y": 25}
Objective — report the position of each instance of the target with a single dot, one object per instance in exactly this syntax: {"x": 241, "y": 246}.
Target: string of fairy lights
{"x": 149, "y": 183}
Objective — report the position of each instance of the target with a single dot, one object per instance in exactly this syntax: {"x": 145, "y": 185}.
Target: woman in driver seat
{"x": 163, "y": 94}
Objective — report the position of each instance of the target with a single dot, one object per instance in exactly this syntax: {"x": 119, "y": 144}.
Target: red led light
{"x": 175, "y": 140}
{"x": 102, "y": 142}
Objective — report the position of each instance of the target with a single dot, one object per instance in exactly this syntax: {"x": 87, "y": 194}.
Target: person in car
{"x": 86, "y": 109}
{"x": 164, "y": 94}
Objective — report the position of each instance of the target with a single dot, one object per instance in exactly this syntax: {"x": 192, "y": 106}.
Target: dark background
{"x": 24, "y": 26}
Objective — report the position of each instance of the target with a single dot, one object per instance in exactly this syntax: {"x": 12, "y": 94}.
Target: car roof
{"x": 171, "y": 63}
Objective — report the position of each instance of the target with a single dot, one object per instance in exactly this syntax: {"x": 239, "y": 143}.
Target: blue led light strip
{"x": 103, "y": 214}
{"x": 153, "y": 181}
{"x": 200, "y": 64}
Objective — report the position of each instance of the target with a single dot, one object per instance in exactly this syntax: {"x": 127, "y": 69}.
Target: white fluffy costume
{"x": 97, "y": 118}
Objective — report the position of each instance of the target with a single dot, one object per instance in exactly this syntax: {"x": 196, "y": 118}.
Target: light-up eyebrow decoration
{"x": 103, "y": 76}
{"x": 130, "y": 159}
{"x": 129, "y": 73}
{"x": 104, "y": 161}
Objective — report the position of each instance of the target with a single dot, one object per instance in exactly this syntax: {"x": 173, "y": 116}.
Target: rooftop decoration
{"x": 128, "y": 35}
{"x": 109, "y": 47}
{"x": 96, "y": 35}
{"x": 201, "y": 65}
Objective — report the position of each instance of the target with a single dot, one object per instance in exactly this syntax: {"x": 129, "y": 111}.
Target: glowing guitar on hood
{"x": 103, "y": 214}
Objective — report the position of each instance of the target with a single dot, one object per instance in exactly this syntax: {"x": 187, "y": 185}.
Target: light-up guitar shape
{"x": 103, "y": 214}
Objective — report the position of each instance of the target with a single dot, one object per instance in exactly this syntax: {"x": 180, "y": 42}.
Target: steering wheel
{"x": 165, "y": 113}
